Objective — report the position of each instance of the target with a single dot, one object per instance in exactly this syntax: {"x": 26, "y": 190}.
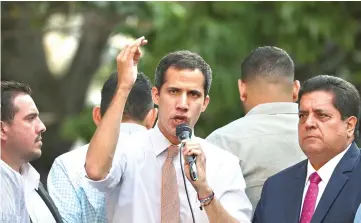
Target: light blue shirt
{"x": 76, "y": 200}
{"x": 358, "y": 215}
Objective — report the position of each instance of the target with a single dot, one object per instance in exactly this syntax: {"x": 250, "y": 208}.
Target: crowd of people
{"x": 292, "y": 158}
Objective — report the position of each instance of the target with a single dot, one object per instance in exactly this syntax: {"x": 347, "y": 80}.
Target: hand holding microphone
{"x": 195, "y": 160}
{"x": 184, "y": 133}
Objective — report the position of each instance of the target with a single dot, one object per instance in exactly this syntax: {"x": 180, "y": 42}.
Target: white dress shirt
{"x": 12, "y": 203}
{"x": 76, "y": 200}
{"x": 325, "y": 172}
{"x": 133, "y": 184}
{"x": 38, "y": 211}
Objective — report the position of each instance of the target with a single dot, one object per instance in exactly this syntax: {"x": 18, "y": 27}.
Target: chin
{"x": 312, "y": 148}
{"x": 36, "y": 154}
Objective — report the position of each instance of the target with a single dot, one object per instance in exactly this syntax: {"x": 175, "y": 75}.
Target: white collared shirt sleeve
{"x": 119, "y": 165}
{"x": 231, "y": 186}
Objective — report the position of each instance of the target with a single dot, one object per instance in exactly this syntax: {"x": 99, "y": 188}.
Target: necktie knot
{"x": 315, "y": 178}
{"x": 172, "y": 151}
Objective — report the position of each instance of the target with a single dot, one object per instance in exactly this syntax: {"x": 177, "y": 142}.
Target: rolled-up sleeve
{"x": 233, "y": 196}
{"x": 114, "y": 176}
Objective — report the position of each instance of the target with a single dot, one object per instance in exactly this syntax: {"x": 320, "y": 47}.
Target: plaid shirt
{"x": 76, "y": 200}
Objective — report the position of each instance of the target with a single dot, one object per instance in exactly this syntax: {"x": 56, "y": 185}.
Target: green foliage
{"x": 80, "y": 126}
{"x": 224, "y": 32}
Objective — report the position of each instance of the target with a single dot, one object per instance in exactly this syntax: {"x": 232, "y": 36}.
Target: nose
{"x": 310, "y": 122}
{"x": 41, "y": 127}
{"x": 183, "y": 102}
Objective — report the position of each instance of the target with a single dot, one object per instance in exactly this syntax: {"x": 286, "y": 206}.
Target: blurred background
{"x": 66, "y": 50}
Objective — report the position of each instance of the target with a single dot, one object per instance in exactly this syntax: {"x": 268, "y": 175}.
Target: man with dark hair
{"x": 22, "y": 194}
{"x": 78, "y": 201}
{"x": 326, "y": 187}
{"x": 265, "y": 139}
{"x": 139, "y": 103}
{"x": 145, "y": 172}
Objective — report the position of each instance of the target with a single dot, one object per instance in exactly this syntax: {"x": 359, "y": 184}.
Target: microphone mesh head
{"x": 183, "y": 128}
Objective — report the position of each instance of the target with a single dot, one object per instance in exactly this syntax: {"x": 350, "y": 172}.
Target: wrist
{"x": 123, "y": 88}
{"x": 205, "y": 201}
{"x": 204, "y": 192}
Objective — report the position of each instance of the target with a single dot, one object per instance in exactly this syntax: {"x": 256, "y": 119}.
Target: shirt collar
{"x": 160, "y": 142}
{"x": 274, "y": 108}
{"x": 131, "y": 128}
{"x": 325, "y": 172}
{"x": 31, "y": 177}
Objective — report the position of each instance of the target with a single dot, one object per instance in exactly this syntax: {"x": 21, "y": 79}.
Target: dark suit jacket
{"x": 49, "y": 203}
{"x": 282, "y": 193}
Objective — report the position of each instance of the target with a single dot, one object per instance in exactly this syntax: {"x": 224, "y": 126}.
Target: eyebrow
{"x": 315, "y": 110}
{"x": 32, "y": 114}
{"x": 190, "y": 91}
{"x": 173, "y": 88}
{"x": 195, "y": 92}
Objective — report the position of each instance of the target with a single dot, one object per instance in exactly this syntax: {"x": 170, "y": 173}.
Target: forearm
{"x": 104, "y": 141}
{"x": 215, "y": 211}
{"x": 217, "y": 214}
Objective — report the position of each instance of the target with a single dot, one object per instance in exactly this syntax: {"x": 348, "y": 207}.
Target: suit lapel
{"x": 295, "y": 191}
{"x": 337, "y": 181}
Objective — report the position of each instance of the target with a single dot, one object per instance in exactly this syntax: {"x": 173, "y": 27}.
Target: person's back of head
{"x": 139, "y": 107}
{"x": 267, "y": 76}
{"x": 21, "y": 127}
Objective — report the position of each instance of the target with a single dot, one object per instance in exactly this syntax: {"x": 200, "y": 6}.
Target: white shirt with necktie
{"x": 133, "y": 185}
{"x": 325, "y": 172}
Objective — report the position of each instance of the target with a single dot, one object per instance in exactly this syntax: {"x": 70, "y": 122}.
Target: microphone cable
{"x": 184, "y": 180}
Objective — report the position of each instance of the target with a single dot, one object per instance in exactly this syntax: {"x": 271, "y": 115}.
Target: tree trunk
{"x": 23, "y": 60}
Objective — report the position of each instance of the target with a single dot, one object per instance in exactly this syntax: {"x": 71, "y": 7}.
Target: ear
{"x": 295, "y": 90}
{"x": 96, "y": 115}
{"x": 205, "y": 103}
{"x": 351, "y": 125}
{"x": 155, "y": 95}
{"x": 242, "y": 90}
{"x": 150, "y": 118}
{"x": 4, "y": 130}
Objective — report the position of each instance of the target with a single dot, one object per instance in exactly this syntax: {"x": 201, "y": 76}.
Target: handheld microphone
{"x": 183, "y": 132}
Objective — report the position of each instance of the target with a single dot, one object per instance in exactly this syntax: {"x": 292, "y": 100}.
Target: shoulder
{"x": 216, "y": 153}
{"x": 73, "y": 155}
{"x": 230, "y": 128}
{"x": 9, "y": 176}
{"x": 70, "y": 163}
{"x": 288, "y": 173}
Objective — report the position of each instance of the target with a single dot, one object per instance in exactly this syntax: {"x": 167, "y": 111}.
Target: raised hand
{"x": 127, "y": 61}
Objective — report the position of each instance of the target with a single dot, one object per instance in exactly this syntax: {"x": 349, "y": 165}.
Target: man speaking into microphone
{"x": 159, "y": 176}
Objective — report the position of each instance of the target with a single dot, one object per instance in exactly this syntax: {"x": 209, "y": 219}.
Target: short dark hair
{"x": 267, "y": 62}
{"x": 346, "y": 98}
{"x": 9, "y": 90}
{"x": 183, "y": 60}
{"x": 139, "y": 101}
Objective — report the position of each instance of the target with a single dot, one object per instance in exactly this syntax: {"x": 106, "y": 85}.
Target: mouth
{"x": 180, "y": 119}
{"x": 311, "y": 137}
{"x": 38, "y": 139}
